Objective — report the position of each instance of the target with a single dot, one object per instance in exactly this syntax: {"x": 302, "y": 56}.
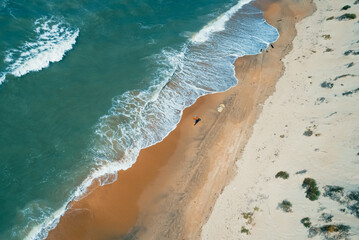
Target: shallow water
{"x": 84, "y": 85}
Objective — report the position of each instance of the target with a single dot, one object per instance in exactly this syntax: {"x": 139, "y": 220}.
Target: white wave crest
{"x": 218, "y": 24}
{"x": 53, "y": 39}
{"x": 2, "y": 78}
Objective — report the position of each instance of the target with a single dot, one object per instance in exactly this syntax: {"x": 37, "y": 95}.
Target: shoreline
{"x": 181, "y": 162}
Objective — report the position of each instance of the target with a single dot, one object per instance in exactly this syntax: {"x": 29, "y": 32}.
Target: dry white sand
{"x": 330, "y": 155}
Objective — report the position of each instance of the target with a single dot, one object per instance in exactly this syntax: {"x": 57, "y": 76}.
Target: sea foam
{"x": 53, "y": 39}
{"x": 218, "y": 24}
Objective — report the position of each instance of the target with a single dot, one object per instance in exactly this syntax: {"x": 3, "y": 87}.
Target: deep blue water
{"x": 84, "y": 84}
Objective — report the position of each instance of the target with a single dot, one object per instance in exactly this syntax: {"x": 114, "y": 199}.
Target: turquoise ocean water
{"x": 86, "y": 84}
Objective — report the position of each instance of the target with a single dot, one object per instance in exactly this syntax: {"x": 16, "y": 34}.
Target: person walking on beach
{"x": 196, "y": 119}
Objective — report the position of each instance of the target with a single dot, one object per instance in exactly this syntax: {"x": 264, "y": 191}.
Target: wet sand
{"x": 170, "y": 191}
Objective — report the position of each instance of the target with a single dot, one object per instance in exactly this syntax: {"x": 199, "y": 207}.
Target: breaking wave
{"x": 217, "y": 24}
{"x": 53, "y": 39}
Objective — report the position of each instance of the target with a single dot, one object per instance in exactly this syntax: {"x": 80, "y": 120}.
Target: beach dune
{"x": 308, "y": 132}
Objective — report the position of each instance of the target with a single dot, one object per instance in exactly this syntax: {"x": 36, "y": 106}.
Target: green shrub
{"x": 345, "y": 7}
{"x": 312, "y": 191}
{"x": 247, "y": 215}
{"x": 301, "y": 171}
{"x": 335, "y": 188}
{"x": 335, "y": 228}
{"x": 347, "y": 16}
{"x": 286, "y": 206}
{"x": 324, "y": 84}
{"x": 306, "y": 222}
{"x": 282, "y": 174}
{"x": 245, "y": 230}
{"x": 326, "y": 217}
{"x": 309, "y": 132}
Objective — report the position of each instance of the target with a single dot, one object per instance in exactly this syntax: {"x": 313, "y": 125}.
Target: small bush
{"x": 312, "y": 191}
{"x": 330, "y": 18}
{"x": 335, "y": 188}
{"x": 348, "y": 66}
{"x": 348, "y": 16}
{"x": 282, "y": 174}
{"x": 245, "y": 230}
{"x": 326, "y": 84}
{"x": 329, "y": 50}
{"x": 301, "y": 171}
{"x": 345, "y": 7}
{"x": 346, "y": 53}
{"x": 350, "y": 92}
{"x": 335, "y": 193}
{"x": 334, "y": 228}
{"x": 286, "y": 206}
{"x": 247, "y": 215}
{"x": 326, "y": 217}
{"x": 308, "y": 133}
{"x": 330, "y": 231}
{"x": 306, "y": 222}
{"x": 354, "y": 196}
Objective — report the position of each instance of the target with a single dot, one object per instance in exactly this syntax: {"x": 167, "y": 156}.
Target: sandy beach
{"x": 308, "y": 129}
{"x": 170, "y": 191}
